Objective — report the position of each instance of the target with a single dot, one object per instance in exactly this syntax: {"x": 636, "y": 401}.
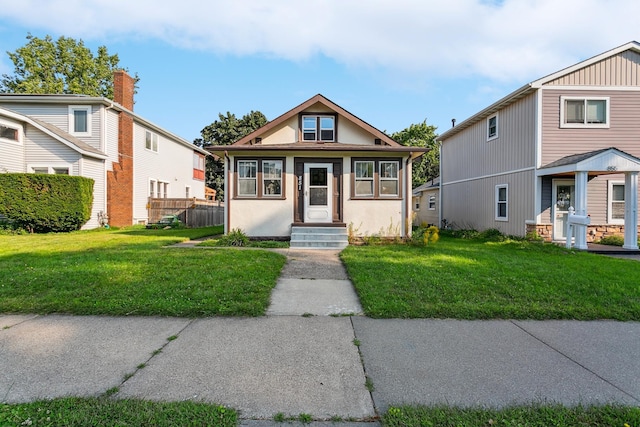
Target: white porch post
{"x": 630, "y": 210}
{"x": 581, "y": 209}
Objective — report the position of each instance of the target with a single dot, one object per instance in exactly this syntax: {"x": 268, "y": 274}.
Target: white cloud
{"x": 510, "y": 40}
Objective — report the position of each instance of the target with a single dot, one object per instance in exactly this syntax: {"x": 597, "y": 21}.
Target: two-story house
{"x": 569, "y": 141}
{"x": 129, "y": 158}
{"x": 313, "y": 174}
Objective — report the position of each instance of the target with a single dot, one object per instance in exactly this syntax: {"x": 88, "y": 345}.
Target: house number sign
{"x": 300, "y": 183}
{"x": 612, "y": 168}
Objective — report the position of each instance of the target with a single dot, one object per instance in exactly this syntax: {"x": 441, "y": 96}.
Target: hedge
{"x": 46, "y": 203}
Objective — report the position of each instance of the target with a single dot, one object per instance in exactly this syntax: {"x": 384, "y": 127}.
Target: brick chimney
{"x": 123, "y": 88}
{"x": 120, "y": 178}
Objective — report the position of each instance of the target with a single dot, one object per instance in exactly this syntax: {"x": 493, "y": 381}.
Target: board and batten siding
{"x": 468, "y": 154}
{"x": 618, "y": 70}
{"x": 472, "y": 204}
{"x": 623, "y": 132}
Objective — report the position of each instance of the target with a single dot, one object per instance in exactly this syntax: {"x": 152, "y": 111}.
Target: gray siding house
{"x": 568, "y": 142}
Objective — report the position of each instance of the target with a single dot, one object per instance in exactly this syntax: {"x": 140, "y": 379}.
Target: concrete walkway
{"x": 294, "y": 364}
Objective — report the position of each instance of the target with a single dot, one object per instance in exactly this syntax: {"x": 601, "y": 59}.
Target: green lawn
{"x": 475, "y": 279}
{"x": 129, "y": 272}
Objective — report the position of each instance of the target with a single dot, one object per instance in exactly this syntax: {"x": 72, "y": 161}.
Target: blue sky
{"x": 391, "y": 63}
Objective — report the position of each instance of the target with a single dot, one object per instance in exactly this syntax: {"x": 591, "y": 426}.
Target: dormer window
{"x": 318, "y": 128}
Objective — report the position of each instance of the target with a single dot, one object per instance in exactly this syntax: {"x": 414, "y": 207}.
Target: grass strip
{"x": 530, "y": 416}
{"x": 98, "y": 412}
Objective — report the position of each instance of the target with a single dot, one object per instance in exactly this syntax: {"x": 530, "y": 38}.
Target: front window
{"x": 80, "y": 120}
{"x": 272, "y": 178}
{"x": 389, "y": 178}
{"x": 492, "y": 127}
{"x": 501, "y": 202}
{"x": 616, "y": 203}
{"x": 318, "y": 128}
{"x": 584, "y": 112}
{"x": 364, "y": 178}
{"x": 247, "y": 178}
{"x": 151, "y": 141}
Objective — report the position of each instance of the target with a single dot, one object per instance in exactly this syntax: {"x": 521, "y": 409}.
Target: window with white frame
{"x": 389, "y": 178}
{"x": 163, "y": 189}
{"x": 615, "y": 211}
{"x": 187, "y": 192}
{"x": 502, "y": 199}
{"x": 151, "y": 141}
{"x": 492, "y": 127}
{"x": 432, "y": 203}
{"x": 153, "y": 188}
{"x": 377, "y": 179}
{"x": 9, "y": 132}
{"x": 80, "y": 120}
{"x": 417, "y": 206}
{"x": 247, "y": 178}
{"x": 364, "y": 171}
{"x": 584, "y": 112}
{"x": 318, "y": 128}
{"x": 272, "y": 178}
{"x": 51, "y": 170}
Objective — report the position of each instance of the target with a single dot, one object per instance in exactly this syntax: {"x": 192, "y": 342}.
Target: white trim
{"x": 498, "y": 202}
{"x": 50, "y": 167}
{"x": 15, "y": 126}
{"x": 153, "y": 194}
{"x": 488, "y": 176}
{"x": 610, "y": 185}
{"x": 605, "y": 125}
{"x": 72, "y": 109}
{"x": 153, "y": 136}
{"x": 488, "y": 121}
{"x": 429, "y": 203}
{"x": 187, "y": 191}
{"x": 591, "y": 88}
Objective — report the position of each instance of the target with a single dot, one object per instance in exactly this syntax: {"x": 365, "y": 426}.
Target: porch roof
{"x": 605, "y": 161}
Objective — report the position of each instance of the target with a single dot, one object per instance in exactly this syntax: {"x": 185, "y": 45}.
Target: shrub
{"x": 423, "y": 236}
{"x": 492, "y": 234}
{"x": 613, "y": 240}
{"x": 235, "y": 237}
{"x": 46, "y": 203}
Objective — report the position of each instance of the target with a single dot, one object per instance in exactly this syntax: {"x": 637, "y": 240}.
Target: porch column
{"x": 630, "y": 210}
{"x": 581, "y": 209}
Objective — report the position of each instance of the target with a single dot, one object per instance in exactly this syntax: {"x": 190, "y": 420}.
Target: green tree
{"x": 63, "y": 66}
{"x": 225, "y": 131}
{"x": 422, "y": 135}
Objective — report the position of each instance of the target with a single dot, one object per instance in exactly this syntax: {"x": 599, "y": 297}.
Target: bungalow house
{"x": 426, "y": 203}
{"x": 315, "y": 175}
{"x": 566, "y": 143}
{"x": 128, "y": 157}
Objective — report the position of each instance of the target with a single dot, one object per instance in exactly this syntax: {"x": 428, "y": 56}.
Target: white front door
{"x": 318, "y": 192}
{"x": 563, "y": 197}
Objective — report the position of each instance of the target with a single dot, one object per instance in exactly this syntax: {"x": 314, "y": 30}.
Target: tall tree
{"x": 422, "y": 135}
{"x": 45, "y": 66}
{"x": 225, "y": 131}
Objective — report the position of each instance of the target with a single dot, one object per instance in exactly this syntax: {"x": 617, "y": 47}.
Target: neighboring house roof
{"x": 609, "y": 159}
{"x": 68, "y": 99}
{"x": 432, "y": 184}
{"x": 387, "y": 144}
{"x": 532, "y": 87}
{"x": 56, "y": 133}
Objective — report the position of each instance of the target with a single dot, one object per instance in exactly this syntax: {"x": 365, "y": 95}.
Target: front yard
{"x": 128, "y": 272}
{"x": 479, "y": 279}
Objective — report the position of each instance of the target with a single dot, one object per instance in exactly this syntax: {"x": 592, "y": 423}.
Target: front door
{"x": 564, "y": 197}
{"x": 318, "y": 192}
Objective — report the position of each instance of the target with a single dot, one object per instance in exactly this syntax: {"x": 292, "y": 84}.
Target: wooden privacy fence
{"x": 192, "y": 212}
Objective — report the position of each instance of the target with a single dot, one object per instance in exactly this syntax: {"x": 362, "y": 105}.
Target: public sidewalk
{"x": 296, "y": 364}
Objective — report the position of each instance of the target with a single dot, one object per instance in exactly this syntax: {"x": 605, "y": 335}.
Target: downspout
{"x": 408, "y": 196}
{"x": 227, "y": 199}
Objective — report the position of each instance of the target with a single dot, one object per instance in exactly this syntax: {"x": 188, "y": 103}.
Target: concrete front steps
{"x": 304, "y": 237}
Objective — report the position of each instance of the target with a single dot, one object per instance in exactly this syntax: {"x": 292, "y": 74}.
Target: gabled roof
{"x": 72, "y": 99}
{"x": 56, "y": 133}
{"x": 533, "y": 86}
{"x": 432, "y": 184}
{"x": 385, "y": 139}
{"x": 606, "y": 160}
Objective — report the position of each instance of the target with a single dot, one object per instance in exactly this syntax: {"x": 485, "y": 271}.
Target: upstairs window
{"x": 492, "y": 127}
{"x": 151, "y": 141}
{"x": 318, "y": 128}
{"x": 198, "y": 166}
{"x": 10, "y": 133}
{"x": 80, "y": 120}
{"x": 584, "y": 112}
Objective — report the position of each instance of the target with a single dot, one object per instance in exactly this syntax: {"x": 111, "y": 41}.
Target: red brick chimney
{"x": 120, "y": 179}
